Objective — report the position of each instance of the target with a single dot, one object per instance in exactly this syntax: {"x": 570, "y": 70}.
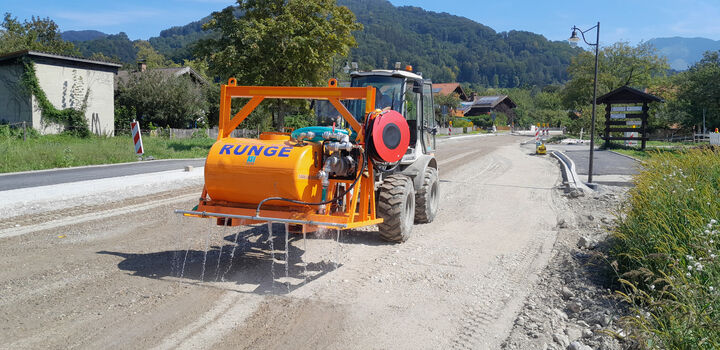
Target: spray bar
{"x": 259, "y": 218}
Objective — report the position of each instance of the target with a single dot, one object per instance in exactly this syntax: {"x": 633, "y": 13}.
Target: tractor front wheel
{"x": 396, "y": 206}
{"x": 427, "y": 199}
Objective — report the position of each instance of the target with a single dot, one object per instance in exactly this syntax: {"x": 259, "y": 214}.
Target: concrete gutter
{"x": 95, "y": 166}
{"x": 570, "y": 176}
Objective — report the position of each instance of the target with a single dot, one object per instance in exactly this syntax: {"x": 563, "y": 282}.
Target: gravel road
{"x": 148, "y": 279}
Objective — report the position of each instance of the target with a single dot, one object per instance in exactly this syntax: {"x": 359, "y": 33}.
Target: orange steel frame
{"x": 359, "y": 205}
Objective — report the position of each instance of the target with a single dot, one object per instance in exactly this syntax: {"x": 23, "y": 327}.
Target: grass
{"x": 652, "y": 147}
{"x": 60, "y": 151}
{"x": 666, "y": 251}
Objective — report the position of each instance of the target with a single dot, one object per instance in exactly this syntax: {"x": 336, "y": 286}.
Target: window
{"x": 388, "y": 93}
{"x": 428, "y": 118}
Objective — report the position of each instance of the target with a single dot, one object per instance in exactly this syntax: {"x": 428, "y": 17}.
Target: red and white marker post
{"x": 537, "y": 134}
{"x": 137, "y": 137}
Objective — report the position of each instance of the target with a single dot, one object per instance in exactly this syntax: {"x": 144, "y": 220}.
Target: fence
{"x": 20, "y": 125}
{"x": 211, "y": 133}
{"x": 715, "y": 138}
{"x": 457, "y": 130}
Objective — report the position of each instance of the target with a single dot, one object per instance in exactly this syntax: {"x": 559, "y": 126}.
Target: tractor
{"x": 369, "y": 161}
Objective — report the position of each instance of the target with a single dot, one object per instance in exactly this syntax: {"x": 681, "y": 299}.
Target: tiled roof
{"x": 445, "y": 89}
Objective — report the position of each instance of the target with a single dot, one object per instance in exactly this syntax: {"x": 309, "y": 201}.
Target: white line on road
{"x": 15, "y": 231}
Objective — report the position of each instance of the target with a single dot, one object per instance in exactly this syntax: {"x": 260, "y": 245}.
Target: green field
{"x": 667, "y": 251}
{"x": 60, "y": 151}
{"x": 654, "y": 147}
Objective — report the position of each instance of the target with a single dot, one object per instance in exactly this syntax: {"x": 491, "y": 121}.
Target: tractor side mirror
{"x": 417, "y": 87}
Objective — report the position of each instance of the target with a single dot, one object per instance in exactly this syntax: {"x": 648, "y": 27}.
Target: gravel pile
{"x": 573, "y": 306}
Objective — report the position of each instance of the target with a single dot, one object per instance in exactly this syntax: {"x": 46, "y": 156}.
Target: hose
{"x": 362, "y": 169}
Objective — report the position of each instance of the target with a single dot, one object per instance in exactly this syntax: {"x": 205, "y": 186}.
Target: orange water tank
{"x": 248, "y": 170}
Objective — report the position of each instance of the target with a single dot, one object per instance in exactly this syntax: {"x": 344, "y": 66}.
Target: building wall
{"x": 14, "y": 104}
{"x": 66, "y": 86}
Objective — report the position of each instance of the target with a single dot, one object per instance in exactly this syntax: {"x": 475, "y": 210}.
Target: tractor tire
{"x": 427, "y": 199}
{"x": 396, "y": 206}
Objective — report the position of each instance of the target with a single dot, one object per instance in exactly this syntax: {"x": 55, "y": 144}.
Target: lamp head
{"x": 574, "y": 37}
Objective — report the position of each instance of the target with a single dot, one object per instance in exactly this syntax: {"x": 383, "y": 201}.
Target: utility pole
{"x": 704, "y": 128}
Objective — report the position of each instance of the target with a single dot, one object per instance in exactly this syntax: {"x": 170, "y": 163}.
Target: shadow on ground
{"x": 246, "y": 259}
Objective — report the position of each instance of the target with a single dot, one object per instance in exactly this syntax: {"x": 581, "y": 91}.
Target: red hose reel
{"x": 389, "y": 136}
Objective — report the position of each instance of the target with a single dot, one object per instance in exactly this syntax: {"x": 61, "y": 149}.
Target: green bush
{"x": 10, "y": 132}
{"x": 666, "y": 250}
{"x": 481, "y": 121}
{"x": 461, "y": 123}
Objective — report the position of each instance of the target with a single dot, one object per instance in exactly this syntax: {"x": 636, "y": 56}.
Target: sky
{"x": 620, "y": 20}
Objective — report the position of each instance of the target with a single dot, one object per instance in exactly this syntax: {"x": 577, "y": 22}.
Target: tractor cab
{"x": 408, "y": 94}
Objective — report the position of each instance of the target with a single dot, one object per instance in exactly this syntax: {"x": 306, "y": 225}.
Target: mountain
{"x": 117, "y": 46}
{"x": 444, "y": 47}
{"x": 82, "y": 35}
{"x": 176, "y": 43}
{"x": 452, "y": 48}
{"x": 684, "y": 52}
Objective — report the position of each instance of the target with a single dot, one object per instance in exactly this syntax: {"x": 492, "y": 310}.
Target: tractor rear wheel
{"x": 396, "y": 206}
{"x": 427, "y": 199}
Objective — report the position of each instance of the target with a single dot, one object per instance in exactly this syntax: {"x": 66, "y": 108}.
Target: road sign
{"x": 137, "y": 137}
{"x": 633, "y": 134}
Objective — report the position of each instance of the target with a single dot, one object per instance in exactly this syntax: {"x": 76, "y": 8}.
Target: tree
{"x": 449, "y": 102}
{"x": 618, "y": 65}
{"x": 163, "y": 100}
{"x": 698, "y": 91}
{"x": 40, "y": 34}
{"x": 278, "y": 42}
{"x": 146, "y": 53}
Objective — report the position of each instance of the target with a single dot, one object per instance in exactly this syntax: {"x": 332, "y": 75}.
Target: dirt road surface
{"x": 148, "y": 279}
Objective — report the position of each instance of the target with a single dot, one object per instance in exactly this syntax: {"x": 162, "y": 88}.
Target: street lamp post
{"x": 575, "y": 39}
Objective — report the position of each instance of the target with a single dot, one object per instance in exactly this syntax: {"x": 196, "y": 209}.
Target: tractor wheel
{"x": 396, "y": 206}
{"x": 427, "y": 198}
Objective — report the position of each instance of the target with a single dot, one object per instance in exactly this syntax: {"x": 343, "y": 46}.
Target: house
{"x": 484, "y": 105}
{"x": 449, "y": 88}
{"x": 66, "y": 81}
{"x": 124, "y": 75}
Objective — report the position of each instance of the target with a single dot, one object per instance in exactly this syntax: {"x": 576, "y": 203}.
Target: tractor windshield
{"x": 388, "y": 93}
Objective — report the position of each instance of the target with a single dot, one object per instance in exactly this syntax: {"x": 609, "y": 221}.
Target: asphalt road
{"x": 59, "y": 176}
{"x": 604, "y": 162}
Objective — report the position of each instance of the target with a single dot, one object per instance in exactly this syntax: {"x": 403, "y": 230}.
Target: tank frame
{"x": 359, "y": 205}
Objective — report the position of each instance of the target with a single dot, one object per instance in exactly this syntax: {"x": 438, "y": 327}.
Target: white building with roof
{"x": 66, "y": 82}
